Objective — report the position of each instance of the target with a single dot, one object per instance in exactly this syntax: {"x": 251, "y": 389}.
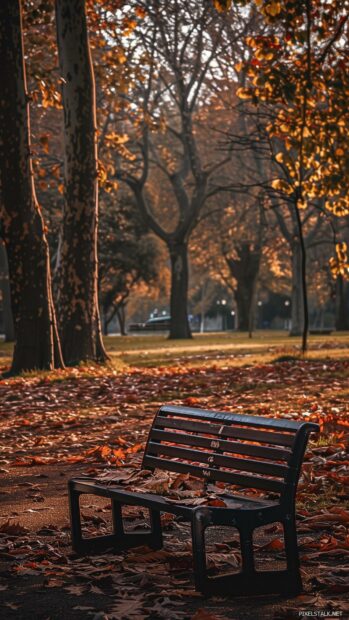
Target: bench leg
{"x": 116, "y": 512}
{"x": 155, "y": 540}
{"x": 292, "y": 555}
{"x": 75, "y": 518}
{"x": 248, "y": 581}
{"x": 119, "y": 539}
{"x": 198, "y": 526}
{"x": 156, "y": 530}
{"x": 246, "y": 543}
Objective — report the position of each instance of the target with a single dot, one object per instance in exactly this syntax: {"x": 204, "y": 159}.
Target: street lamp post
{"x": 233, "y": 318}
{"x": 259, "y": 304}
{"x": 287, "y": 320}
{"x": 222, "y": 303}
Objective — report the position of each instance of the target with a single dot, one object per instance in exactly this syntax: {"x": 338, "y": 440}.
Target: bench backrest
{"x": 254, "y": 452}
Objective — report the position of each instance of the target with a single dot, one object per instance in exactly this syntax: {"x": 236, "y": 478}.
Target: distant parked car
{"x": 157, "y": 323}
{"x": 135, "y": 327}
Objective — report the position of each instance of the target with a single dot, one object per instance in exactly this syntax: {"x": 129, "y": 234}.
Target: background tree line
{"x": 214, "y": 138}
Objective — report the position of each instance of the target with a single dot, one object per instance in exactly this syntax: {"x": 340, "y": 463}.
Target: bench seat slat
{"x": 252, "y": 482}
{"x": 271, "y": 453}
{"x": 233, "y": 418}
{"x": 259, "y": 467}
{"x": 250, "y": 434}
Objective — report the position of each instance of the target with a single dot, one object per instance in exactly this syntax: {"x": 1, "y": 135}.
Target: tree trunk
{"x": 105, "y": 324}
{"x": 9, "y": 329}
{"x": 79, "y": 320}
{"x": 179, "y": 327}
{"x": 303, "y": 279}
{"x": 245, "y": 299}
{"x": 120, "y": 313}
{"x": 37, "y": 344}
{"x": 7, "y": 316}
{"x": 297, "y": 314}
{"x": 342, "y": 304}
{"x": 245, "y": 270}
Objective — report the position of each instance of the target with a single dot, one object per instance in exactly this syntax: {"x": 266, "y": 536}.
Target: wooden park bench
{"x": 249, "y": 452}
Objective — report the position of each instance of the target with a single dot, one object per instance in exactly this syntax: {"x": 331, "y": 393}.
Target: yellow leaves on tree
{"x": 339, "y": 207}
{"x": 282, "y": 186}
{"x": 47, "y": 95}
{"x": 339, "y": 264}
{"x": 272, "y": 9}
{"x": 222, "y": 5}
{"x": 128, "y": 26}
{"x": 102, "y": 173}
{"x": 302, "y": 203}
{"x": 244, "y": 93}
{"x": 140, "y": 12}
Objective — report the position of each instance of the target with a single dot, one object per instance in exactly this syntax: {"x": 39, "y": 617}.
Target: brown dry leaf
{"x": 86, "y": 413}
{"x": 12, "y": 528}
{"x": 328, "y": 517}
{"x": 12, "y": 606}
{"x": 147, "y": 557}
{"x": 218, "y": 503}
{"x": 223, "y": 558}
{"x": 157, "y": 485}
{"x": 274, "y": 545}
{"x": 76, "y": 590}
{"x": 202, "y": 614}
{"x": 178, "y": 592}
{"x": 193, "y": 501}
{"x": 180, "y": 561}
{"x": 54, "y": 583}
{"x": 178, "y": 481}
{"x": 96, "y": 590}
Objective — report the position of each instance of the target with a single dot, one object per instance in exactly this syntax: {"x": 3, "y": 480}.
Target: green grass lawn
{"x": 222, "y": 348}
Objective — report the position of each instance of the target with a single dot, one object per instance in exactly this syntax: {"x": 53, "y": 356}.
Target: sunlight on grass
{"x": 220, "y": 349}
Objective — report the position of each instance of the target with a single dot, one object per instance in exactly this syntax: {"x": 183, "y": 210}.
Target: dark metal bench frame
{"x": 286, "y": 443}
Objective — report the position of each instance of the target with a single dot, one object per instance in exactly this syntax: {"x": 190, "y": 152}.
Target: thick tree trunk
{"x": 37, "y": 344}
{"x": 179, "y": 327}
{"x": 245, "y": 297}
{"x": 7, "y": 316}
{"x": 105, "y": 324}
{"x": 120, "y": 313}
{"x": 297, "y": 313}
{"x": 79, "y": 320}
{"x": 303, "y": 280}
{"x": 245, "y": 270}
{"x": 342, "y": 304}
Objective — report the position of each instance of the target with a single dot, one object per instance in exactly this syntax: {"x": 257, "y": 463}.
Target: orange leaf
{"x": 105, "y": 451}
{"x": 274, "y": 545}
{"x": 216, "y": 502}
{"x": 136, "y": 448}
{"x": 119, "y": 454}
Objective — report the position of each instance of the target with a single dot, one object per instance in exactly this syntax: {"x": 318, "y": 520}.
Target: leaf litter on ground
{"x": 98, "y": 420}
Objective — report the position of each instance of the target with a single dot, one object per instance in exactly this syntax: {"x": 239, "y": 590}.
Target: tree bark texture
{"x": 303, "y": 280}
{"x": 245, "y": 270}
{"x": 342, "y": 304}
{"x": 120, "y": 313}
{"x": 37, "y": 344}
{"x": 245, "y": 299}
{"x": 179, "y": 327}
{"x": 7, "y": 316}
{"x": 78, "y": 311}
{"x": 297, "y": 312}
